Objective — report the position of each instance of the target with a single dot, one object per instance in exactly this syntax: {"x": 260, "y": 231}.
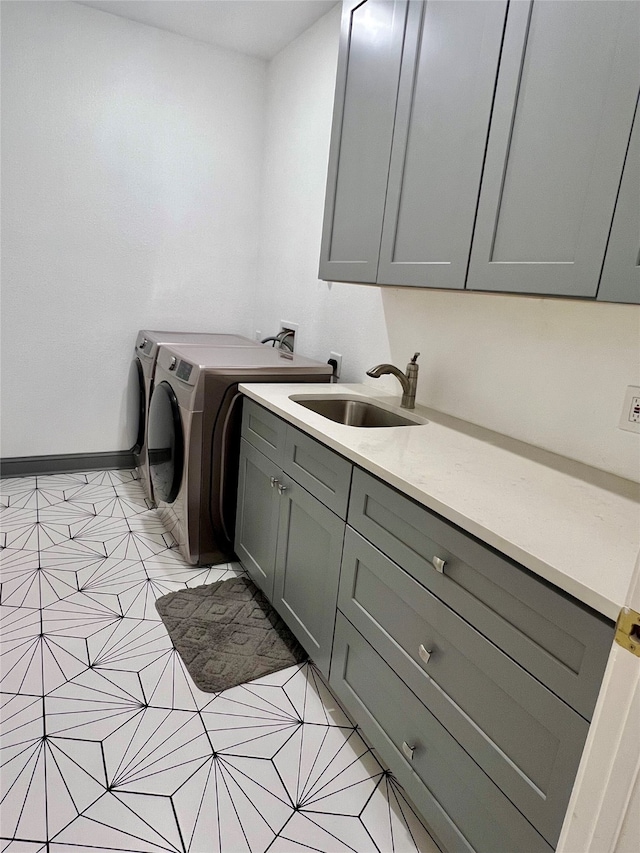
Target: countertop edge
{"x": 608, "y": 607}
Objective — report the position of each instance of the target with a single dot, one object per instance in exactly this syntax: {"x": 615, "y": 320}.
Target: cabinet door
{"x": 363, "y": 117}
{"x": 308, "y": 560}
{"x": 257, "y": 516}
{"x": 447, "y": 81}
{"x": 621, "y": 273}
{"x": 562, "y": 115}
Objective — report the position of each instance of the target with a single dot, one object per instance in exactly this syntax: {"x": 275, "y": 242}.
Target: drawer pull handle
{"x": 425, "y": 654}
{"x": 408, "y": 750}
{"x": 438, "y": 564}
{"x": 281, "y": 488}
{"x": 273, "y": 482}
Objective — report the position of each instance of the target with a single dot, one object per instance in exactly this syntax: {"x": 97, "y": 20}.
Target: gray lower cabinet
{"x": 560, "y": 642}
{"x": 287, "y": 538}
{"x": 257, "y": 516}
{"x": 463, "y": 808}
{"x": 474, "y": 679}
{"x": 526, "y": 739}
{"x": 307, "y": 571}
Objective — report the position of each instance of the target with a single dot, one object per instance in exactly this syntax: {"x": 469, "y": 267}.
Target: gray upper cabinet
{"x": 562, "y": 116}
{"x": 366, "y": 90}
{"x": 447, "y": 81}
{"x": 480, "y": 146}
{"x": 621, "y": 273}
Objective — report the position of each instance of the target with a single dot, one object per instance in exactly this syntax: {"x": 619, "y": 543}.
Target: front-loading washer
{"x": 194, "y": 437}
{"x": 141, "y": 377}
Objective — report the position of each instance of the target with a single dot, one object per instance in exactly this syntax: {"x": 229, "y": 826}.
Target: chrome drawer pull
{"x": 273, "y": 482}
{"x": 281, "y": 488}
{"x": 438, "y": 564}
{"x": 408, "y": 750}
{"x": 424, "y": 653}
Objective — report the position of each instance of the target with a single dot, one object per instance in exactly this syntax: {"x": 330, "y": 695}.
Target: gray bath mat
{"x": 227, "y": 633}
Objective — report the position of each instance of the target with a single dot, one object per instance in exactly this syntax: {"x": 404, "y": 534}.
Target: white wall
{"x": 131, "y": 183}
{"x": 131, "y": 162}
{"x": 331, "y": 317}
{"x": 551, "y": 372}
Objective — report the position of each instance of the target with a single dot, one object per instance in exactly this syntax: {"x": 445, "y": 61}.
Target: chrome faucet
{"x": 408, "y": 380}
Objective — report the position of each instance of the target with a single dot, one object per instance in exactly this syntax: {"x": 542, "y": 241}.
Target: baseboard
{"x": 66, "y": 463}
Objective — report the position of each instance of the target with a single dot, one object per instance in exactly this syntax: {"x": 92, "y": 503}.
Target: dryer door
{"x": 136, "y": 407}
{"x": 165, "y": 443}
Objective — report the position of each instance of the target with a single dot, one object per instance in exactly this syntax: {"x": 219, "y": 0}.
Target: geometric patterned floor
{"x": 106, "y": 743}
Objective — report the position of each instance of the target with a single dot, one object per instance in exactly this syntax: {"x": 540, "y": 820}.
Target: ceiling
{"x": 256, "y": 27}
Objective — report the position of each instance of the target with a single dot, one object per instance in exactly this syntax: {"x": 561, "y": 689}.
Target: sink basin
{"x": 357, "y": 413}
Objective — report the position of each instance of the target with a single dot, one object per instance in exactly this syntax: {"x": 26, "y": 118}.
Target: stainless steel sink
{"x": 357, "y": 413}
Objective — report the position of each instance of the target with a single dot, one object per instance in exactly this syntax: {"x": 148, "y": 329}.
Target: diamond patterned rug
{"x": 227, "y": 633}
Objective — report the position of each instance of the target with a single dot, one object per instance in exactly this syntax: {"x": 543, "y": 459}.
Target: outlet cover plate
{"x": 338, "y": 360}
{"x": 293, "y": 327}
{"x": 630, "y": 417}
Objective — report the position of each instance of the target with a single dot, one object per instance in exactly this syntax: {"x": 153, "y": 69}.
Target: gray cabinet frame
{"x": 620, "y": 280}
{"x": 449, "y": 68}
{"x": 307, "y": 570}
{"x": 362, "y": 130}
{"x": 290, "y": 541}
{"x": 459, "y": 755}
{"x": 257, "y": 516}
{"x": 529, "y": 207}
{"x": 518, "y": 247}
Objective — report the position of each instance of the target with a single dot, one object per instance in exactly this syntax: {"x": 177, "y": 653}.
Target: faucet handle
{"x": 415, "y": 358}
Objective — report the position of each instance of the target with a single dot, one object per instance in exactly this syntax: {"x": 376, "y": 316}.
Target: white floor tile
{"x": 124, "y": 823}
{"x": 322, "y": 832}
{"x": 328, "y": 769}
{"x": 107, "y": 743}
{"x": 14, "y": 846}
{"x": 393, "y": 822}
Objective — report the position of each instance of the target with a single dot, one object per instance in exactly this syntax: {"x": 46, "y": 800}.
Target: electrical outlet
{"x": 285, "y": 326}
{"x": 258, "y": 335}
{"x": 630, "y": 417}
{"x": 334, "y": 356}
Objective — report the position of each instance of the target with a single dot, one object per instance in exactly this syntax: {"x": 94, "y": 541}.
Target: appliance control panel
{"x": 184, "y": 371}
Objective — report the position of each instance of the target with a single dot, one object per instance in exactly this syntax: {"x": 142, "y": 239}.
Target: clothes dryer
{"x": 194, "y": 437}
{"x": 148, "y": 343}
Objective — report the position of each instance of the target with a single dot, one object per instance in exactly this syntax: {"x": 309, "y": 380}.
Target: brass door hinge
{"x": 628, "y": 630}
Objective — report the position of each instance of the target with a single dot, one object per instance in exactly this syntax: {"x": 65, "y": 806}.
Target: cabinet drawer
{"x": 321, "y": 471}
{"x": 437, "y": 773}
{"x": 560, "y": 642}
{"x": 263, "y": 430}
{"x": 526, "y": 740}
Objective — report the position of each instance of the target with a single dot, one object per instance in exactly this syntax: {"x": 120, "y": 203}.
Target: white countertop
{"x": 576, "y": 526}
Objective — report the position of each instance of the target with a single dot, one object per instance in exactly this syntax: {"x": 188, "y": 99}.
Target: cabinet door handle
{"x": 273, "y": 482}
{"x": 281, "y": 488}
{"x": 408, "y": 750}
{"x": 425, "y": 654}
{"x": 438, "y": 564}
